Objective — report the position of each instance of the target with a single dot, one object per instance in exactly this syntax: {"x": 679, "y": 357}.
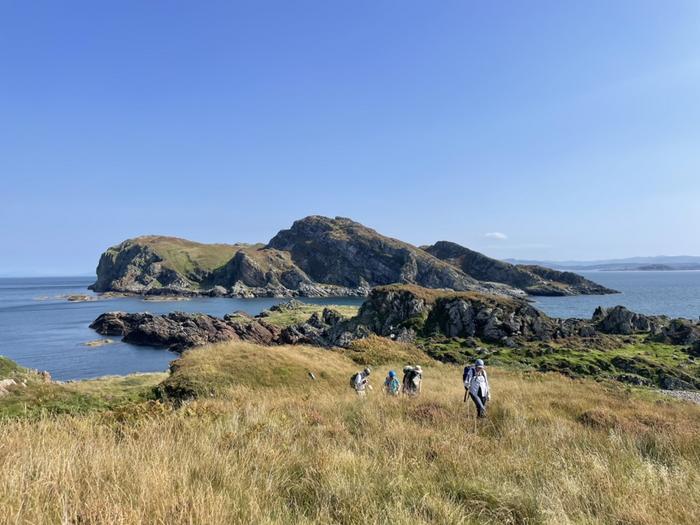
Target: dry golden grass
{"x": 552, "y": 451}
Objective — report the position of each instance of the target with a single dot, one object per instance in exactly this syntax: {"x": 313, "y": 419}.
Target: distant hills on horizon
{"x": 655, "y": 263}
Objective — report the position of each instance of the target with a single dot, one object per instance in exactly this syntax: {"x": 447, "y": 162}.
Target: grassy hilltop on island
{"x": 241, "y": 433}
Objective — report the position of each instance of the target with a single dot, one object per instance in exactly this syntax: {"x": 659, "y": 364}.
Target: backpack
{"x": 409, "y": 380}
{"x": 392, "y": 385}
{"x": 468, "y": 370}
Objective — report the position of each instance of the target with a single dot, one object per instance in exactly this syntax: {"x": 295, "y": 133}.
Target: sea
{"x": 40, "y": 328}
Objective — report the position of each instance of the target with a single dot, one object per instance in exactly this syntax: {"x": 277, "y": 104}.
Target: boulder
{"x": 678, "y": 332}
{"x": 619, "y": 320}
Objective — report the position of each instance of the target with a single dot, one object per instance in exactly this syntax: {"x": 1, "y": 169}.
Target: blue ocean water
{"x": 40, "y": 329}
{"x": 676, "y": 294}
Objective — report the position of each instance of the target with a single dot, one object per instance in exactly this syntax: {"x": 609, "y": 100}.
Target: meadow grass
{"x": 265, "y": 443}
{"x": 300, "y": 313}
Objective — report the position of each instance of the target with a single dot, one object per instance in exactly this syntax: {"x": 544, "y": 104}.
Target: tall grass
{"x": 551, "y": 451}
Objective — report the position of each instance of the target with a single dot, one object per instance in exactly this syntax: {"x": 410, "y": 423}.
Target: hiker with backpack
{"x": 476, "y": 383}
{"x": 412, "y": 380}
{"x": 391, "y": 384}
{"x": 360, "y": 381}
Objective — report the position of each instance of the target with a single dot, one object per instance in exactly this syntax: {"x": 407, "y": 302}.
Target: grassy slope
{"x": 187, "y": 256}
{"x": 298, "y": 314}
{"x": 39, "y": 399}
{"x": 273, "y": 446}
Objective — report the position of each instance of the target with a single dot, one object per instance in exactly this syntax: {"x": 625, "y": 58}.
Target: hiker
{"x": 476, "y": 383}
{"x": 391, "y": 384}
{"x": 360, "y": 381}
{"x": 412, "y": 380}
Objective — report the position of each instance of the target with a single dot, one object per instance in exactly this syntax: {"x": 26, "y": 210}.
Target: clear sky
{"x": 528, "y": 129}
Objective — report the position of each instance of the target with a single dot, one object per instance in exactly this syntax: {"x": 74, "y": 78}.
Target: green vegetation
{"x": 11, "y": 370}
{"x": 189, "y": 257}
{"x": 640, "y": 363}
{"x": 201, "y": 372}
{"x": 32, "y": 398}
{"x": 432, "y": 295}
{"x": 300, "y": 312}
{"x": 263, "y": 442}
{"x": 374, "y": 350}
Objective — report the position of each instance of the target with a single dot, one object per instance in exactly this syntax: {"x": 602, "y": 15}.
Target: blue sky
{"x": 543, "y": 129}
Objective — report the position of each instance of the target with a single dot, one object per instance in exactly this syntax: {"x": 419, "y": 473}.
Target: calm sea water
{"x": 676, "y": 294}
{"x": 40, "y": 329}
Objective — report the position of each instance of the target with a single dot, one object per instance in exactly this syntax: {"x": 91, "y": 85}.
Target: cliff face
{"x": 316, "y": 257}
{"x": 534, "y": 280}
{"x": 343, "y": 252}
{"x": 135, "y": 267}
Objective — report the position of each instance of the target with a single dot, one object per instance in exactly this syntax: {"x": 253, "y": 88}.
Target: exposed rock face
{"x": 679, "y": 332}
{"x": 316, "y": 257}
{"x": 620, "y": 320}
{"x": 403, "y": 312}
{"x": 343, "y": 252}
{"x": 314, "y": 331}
{"x": 489, "y": 319}
{"x": 534, "y": 280}
{"x": 178, "y": 331}
{"x": 134, "y": 267}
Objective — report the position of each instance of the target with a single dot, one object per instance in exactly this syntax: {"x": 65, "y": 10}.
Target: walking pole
{"x": 469, "y": 410}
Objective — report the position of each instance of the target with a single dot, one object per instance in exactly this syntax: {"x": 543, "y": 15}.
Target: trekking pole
{"x": 465, "y": 394}
{"x": 468, "y": 406}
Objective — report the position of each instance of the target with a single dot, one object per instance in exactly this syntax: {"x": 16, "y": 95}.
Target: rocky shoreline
{"x": 413, "y": 314}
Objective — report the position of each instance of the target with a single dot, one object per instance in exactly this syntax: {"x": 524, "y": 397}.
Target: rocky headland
{"x": 317, "y": 257}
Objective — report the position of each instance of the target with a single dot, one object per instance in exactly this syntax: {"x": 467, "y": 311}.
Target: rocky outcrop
{"x": 316, "y": 257}
{"x": 179, "y": 331}
{"x": 534, "y": 280}
{"x": 489, "y": 319}
{"x": 343, "y": 252}
{"x": 679, "y": 332}
{"x": 135, "y": 267}
{"x": 620, "y": 320}
{"x": 405, "y": 312}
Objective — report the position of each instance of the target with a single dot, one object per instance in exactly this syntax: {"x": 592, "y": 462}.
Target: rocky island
{"x": 318, "y": 257}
